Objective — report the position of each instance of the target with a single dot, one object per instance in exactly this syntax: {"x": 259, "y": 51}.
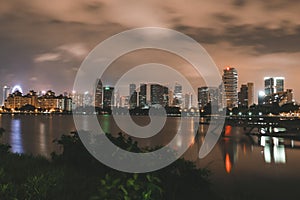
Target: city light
{"x": 261, "y": 93}
{"x": 17, "y": 88}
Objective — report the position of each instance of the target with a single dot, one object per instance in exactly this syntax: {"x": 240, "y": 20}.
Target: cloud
{"x": 63, "y": 53}
{"x": 46, "y": 57}
{"x": 263, "y": 40}
{"x": 33, "y": 78}
{"x": 76, "y": 50}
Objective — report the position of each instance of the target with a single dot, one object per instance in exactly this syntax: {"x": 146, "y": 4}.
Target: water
{"x": 34, "y": 134}
{"x": 251, "y": 167}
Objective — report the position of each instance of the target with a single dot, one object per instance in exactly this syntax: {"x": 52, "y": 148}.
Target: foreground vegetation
{"x": 75, "y": 174}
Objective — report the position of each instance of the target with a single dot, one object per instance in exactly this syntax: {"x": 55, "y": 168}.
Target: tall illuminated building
{"x": 5, "y": 94}
{"x": 108, "y": 97}
{"x": 159, "y": 95}
{"x": 261, "y": 97}
{"x": 77, "y": 99}
{"x": 132, "y": 96}
{"x": 250, "y": 93}
{"x": 178, "y": 96}
{"x": 188, "y": 100}
{"x": 246, "y": 95}
{"x": 230, "y": 81}
{"x": 132, "y": 88}
{"x": 143, "y": 95}
{"x": 98, "y": 93}
{"x": 274, "y": 85}
{"x": 207, "y": 95}
{"x": 87, "y": 99}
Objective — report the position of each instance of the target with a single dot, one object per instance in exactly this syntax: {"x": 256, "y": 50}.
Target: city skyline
{"x": 239, "y": 84}
{"x": 149, "y": 94}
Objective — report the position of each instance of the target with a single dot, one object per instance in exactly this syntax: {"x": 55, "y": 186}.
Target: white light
{"x": 261, "y": 93}
{"x": 17, "y": 88}
{"x": 267, "y": 154}
{"x": 279, "y": 154}
{"x": 263, "y": 139}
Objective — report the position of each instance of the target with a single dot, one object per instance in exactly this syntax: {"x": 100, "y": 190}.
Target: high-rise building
{"x": 250, "y": 94}
{"x": 246, "y": 95}
{"x": 166, "y": 96}
{"x": 87, "y": 99}
{"x": 132, "y": 89}
{"x": 124, "y": 102}
{"x": 5, "y": 94}
{"x": 203, "y": 96}
{"x": 77, "y": 99}
{"x": 207, "y": 95}
{"x": 289, "y": 95}
{"x": 274, "y": 85}
{"x": 178, "y": 96}
{"x": 243, "y": 96}
{"x": 108, "y": 97}
{"x": 171, "y": 98}
{"x": 132, "y": 96}
{"x": 98, "y": 93}
{"x": 159, "y": 95}
{"x": 230, "y": 81}
{"x": 188, "y": 100}
{"x": 261, "y": 97}
{"x": 143, "y": 95}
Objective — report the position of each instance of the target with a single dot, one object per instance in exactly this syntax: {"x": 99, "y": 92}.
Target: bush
{"x": 75, "y": 174}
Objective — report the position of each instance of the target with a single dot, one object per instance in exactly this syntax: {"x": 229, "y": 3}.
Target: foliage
{"x": 75, "y": 174}
{"x": 129, "y": 187}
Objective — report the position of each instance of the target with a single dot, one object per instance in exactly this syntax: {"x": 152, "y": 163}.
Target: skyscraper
{"x": 207, "y": 95}
{"x": 246, "y": 95}
{"x": 132, "y": 96}
{"x": 143, "y": 95}
{"x": 250, "y": 94}
{"x": 178, "y": 96}
{"x": 243, "y": 96}
{"x": 188, "y": 100}
{"x": 108, "y": 97}
{"x": 274, "y": 85}
{"x": 5, "y": 94}
{"x": 230, "y": 81}
{"x": 159, "y": 95}
{"x": 203, "y": 96}
{"x": 98, "y": 93}
{"x": 132, "y": 88}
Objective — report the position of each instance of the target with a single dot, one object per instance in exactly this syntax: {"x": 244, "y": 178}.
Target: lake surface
{"x": 251, "y": 167}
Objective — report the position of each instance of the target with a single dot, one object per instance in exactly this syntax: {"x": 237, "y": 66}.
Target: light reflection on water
{"x": 16, "y": 140}
{"x": 43, "y": 142}
{"x": 34, "y": 134}
{"x": 36, "y": 137}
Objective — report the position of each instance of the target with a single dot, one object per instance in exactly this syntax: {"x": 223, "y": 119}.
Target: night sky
{"x": 42, "y": 43}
